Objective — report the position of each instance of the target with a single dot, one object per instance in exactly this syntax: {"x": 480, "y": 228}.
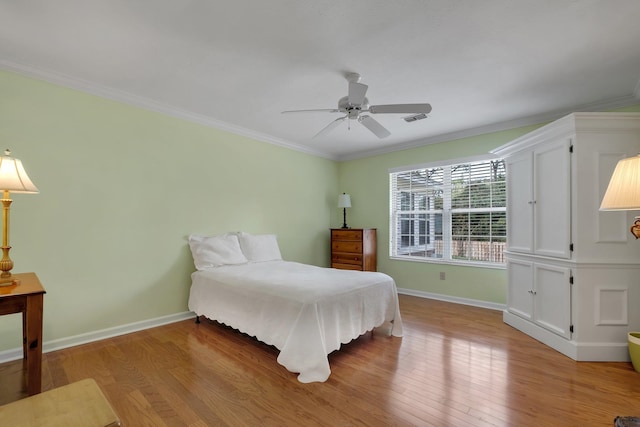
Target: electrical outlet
{"x": 442, "y": 275}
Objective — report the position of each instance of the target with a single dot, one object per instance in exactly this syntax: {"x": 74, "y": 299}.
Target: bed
{"x": 304, "y": 311}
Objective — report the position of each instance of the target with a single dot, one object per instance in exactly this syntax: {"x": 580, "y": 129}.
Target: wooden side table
{"x": 27, "y": 298}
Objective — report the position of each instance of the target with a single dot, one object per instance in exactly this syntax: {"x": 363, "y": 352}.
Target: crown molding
{"x": 149, "y": 104}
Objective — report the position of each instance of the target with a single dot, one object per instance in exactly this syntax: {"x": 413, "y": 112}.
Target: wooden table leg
{"x": 33, "y": 335}
{"x": 24, "y": 333}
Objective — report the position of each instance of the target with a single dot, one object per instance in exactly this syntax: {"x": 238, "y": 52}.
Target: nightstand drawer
{"x": 346, "y": 266}
{"x": 346, "y": 234}
{"x": 344, "y": 258}
{"x": 352, "y": 247}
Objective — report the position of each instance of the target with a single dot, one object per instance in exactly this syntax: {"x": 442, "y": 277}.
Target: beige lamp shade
{"x": 623, "y": 192}
{"x": 13, "y": 177}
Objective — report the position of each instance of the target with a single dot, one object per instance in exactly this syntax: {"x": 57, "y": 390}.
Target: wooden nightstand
{"x": 27, "y": 298}
{"x": 354, "y": 249}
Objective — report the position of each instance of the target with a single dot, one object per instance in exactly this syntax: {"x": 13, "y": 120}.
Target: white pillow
{"x": 214, "y": 251}
{"x": 260, "y": 247}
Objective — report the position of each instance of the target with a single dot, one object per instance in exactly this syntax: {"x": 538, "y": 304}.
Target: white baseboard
{"x": 604, "y": 352}
{"x": 59, "y": 344}
{"x": 579, "y": 351}
{"x": 456, "y": 300}
{"x": 562, "y": 345}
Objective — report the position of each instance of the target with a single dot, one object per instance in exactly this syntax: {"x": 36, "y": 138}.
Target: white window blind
{"x": 454, "y": 213}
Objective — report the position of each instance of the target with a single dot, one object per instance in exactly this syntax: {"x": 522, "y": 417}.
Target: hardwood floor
{"x": 455, "y": 366}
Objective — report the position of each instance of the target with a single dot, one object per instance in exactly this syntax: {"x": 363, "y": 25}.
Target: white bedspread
{"x": 305, "y": 311}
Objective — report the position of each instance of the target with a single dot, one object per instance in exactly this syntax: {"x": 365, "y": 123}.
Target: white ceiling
{"x": 236, "y": 64}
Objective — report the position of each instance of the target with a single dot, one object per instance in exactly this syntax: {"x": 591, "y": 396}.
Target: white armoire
{"x": 573, "y": 272}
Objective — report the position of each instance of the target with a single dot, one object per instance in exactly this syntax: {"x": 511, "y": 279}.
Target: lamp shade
{"x": 344, "y": 201}
{"x": 623, "y": 192}
{"x": 13, "y": 177}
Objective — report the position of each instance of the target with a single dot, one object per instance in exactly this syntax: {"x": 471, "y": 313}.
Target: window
{"x": 449, "y": 213}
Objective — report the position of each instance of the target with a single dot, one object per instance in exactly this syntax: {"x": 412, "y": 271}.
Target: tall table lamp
{"x": 13, "y": 178}
{"x": 344, "y": 202}
{"x": 623, "y": 192}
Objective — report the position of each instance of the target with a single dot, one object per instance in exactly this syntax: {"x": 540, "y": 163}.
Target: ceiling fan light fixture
{"x": 415, "y": 117}
{"x": 356, "y": 103}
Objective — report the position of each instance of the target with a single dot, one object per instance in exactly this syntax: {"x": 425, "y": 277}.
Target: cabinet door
{"x": 520, "y": 288}
{"x": 519, "y": 203}
{"x": 552, "y": 199}
{"x": 552, "y": 302}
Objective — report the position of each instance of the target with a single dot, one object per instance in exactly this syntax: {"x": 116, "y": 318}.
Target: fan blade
{"x": 375, "y": 127}
{"x": 331, "y": 126}
{"x": 401, "y": 108}
{"x": 357, "y": 92}
{"x": 327, "y": 110}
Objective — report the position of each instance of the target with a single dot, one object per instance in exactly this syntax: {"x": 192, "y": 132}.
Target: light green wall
{"x": 120, "y": 190}
{"x": 367, "y": 180}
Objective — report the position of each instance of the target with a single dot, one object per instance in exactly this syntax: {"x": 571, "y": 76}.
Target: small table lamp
{"x": 13, "y": 178}
{"x": 344, "y": 202}
{"x": 623, "y": 192}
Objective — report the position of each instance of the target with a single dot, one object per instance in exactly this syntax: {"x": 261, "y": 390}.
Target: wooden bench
{"x": 78, "y": 404}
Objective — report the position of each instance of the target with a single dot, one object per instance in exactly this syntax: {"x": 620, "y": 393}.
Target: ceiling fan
{"x": 355, "y": 103}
